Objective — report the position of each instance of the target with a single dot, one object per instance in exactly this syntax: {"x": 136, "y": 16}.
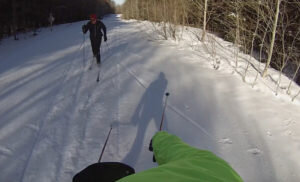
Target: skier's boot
{"x": 98, "y": 59}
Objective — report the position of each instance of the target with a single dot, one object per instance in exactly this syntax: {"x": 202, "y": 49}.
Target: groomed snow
{"x": 54, "y": 117}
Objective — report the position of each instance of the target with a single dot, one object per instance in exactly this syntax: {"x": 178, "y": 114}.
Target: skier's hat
{"x": 93, "y": 16}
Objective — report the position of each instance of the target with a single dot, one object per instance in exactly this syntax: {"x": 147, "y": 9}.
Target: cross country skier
{"x": 178, "y": 162}
{"x": 97, "y": 30}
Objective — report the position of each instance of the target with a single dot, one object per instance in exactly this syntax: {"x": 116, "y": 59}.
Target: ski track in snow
{"x": 58, "y": 100}
{"x": 51, "y": 113}
{"x": 67, "y": 140}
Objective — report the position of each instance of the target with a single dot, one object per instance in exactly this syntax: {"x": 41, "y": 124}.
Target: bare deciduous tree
{"x": 273, "y": 38}
{"x": 204, "y": 20}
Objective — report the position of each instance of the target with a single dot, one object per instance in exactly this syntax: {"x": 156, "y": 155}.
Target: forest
{"x": 23, "y": 16}
{"x": 269, "y": 29}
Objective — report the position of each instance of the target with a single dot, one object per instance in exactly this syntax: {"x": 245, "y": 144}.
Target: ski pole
{"x": 104, "y": 145}
{"x": 163, "y": 115}
{"x": 83, "y": 49}
{"x": 161, "y": 124}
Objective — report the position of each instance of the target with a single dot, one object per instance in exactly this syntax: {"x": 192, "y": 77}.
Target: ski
{"x": 98, "y": 76}
{"x": 91, "y": 65}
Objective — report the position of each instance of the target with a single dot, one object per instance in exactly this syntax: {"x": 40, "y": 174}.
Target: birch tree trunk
{"x": 204, "y": 21}
{"x": 273, "y": 39}
{"x": 252, "y": 42}
{"x": 237, "y": 33}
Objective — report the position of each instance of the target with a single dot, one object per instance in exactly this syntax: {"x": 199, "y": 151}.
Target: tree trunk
{"x": 204, "y": 21}
{"x": 237, "y": 33}
{"x": 273, "y": 39}
{"x": 14, "y": 17}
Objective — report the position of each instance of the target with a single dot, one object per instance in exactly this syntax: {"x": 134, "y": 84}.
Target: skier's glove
{"x": 150, "y": 146}
{"x": 105, "y": 38}
{"x": 84, "y": 28}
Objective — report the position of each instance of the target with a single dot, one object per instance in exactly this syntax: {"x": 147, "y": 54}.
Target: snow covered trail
{"x": 54, "y": 117}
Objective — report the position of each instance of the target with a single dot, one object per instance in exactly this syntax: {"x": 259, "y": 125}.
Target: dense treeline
{"x": 20, "y": 15}
{"x": 268, "y": 27}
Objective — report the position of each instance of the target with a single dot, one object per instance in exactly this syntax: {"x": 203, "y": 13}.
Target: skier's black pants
{"x": 96, "y": 48}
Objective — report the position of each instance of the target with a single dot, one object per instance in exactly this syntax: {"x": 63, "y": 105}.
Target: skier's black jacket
{"x": 97, "y": 30}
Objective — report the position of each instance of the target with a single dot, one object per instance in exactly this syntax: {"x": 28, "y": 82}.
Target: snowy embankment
{"x": 54, "y": 117}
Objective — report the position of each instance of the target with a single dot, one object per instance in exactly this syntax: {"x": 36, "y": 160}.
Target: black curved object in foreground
{"x": 104, "y": 172}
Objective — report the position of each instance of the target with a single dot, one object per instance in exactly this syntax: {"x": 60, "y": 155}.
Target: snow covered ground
{"x": 54, "y": 116}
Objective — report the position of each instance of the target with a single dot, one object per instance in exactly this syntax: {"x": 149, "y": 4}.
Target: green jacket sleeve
{"x": 179, "y": 162}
